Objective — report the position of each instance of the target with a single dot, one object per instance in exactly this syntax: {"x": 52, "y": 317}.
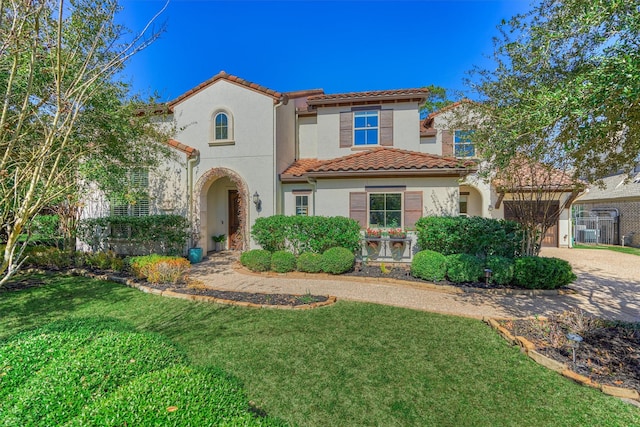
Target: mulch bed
{"x": 609, "y": 353}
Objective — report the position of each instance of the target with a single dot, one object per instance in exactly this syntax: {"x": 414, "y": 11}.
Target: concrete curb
{"x": 200, "y": 298}
{"x": 448, "y": 289}
{"x": 630, "y": 395}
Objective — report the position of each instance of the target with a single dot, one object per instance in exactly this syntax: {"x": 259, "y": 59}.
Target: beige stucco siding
{"x": 307, "y": 137}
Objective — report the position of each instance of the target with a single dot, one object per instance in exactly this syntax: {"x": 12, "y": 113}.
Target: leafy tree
{"x": 64, "y": 115}
{"x": 560, "y": 104}
{"x": 565, "y": 88}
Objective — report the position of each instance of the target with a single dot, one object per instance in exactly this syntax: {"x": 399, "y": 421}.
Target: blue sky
{"x": 334, "y": 45}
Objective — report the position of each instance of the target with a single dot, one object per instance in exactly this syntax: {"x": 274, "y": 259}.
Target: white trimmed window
{"x": 366, "y": 128}
{"x": 302, "y": 205}
{"x": 139, "y": 181}
{"x": 385, "y": 210}
{"x": 463, "y": 145}
{"x": 463, "y": 207}
{"x": 221, "y": 128}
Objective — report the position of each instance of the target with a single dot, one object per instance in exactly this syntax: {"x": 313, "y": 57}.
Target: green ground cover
{"x": 348, "y": 364}
{"x": 622, "y": 249}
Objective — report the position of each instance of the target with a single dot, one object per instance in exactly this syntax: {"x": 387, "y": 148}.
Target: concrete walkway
{"x": 607, "y": 286}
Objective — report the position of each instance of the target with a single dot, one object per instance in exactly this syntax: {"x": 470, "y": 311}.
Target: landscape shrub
{"x": 542, "y": 273}
{"x": 429, "y": 265}
{"x": 164, "y": 234}
{"x": 469, "y": 235}
{"x": 299, "y": 234}
{"x": 107, "y": 260}
{"x": 310, "y": 262}
{"x": 160, "y": 268}
{"x": 48, "y": 257}
{"x": 337, "y": 260}
{"x": 464, "y": 268}
{"x": 283, "y": 262}
{"x": 45, "y": 230}
{"x": 501, "y": 269}
{"x": 256, "y": 260}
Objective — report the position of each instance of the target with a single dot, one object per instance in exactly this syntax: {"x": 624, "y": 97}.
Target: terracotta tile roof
{"x": 377, "y": 95}
{"x": 304, "y": 93}
{"x": 426, "y": 128}
{"x": 523, "y": 175}
{"x": 277, "y": 96}
{"x": 382, "y": 160}
{"x": 189, "y": 151}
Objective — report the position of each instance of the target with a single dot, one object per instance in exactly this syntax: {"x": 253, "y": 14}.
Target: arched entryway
{"x": 220, "y": 207}
{"x": 471, "y": 202}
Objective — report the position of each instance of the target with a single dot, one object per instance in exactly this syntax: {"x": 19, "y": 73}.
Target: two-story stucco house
{"x": 250, "y": 152}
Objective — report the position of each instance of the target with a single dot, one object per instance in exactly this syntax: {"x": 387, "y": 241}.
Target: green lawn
{"x": 350, "y": 364}
{"x": 622, "y": 249}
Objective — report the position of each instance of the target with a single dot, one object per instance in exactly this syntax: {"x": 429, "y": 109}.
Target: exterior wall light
{"x": 257, "y": 201}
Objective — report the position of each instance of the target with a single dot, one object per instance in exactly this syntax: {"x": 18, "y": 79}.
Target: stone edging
{"x": 201, "y": 298}
{"x": 239, "y": 268}
{"x": 529, "y": 349}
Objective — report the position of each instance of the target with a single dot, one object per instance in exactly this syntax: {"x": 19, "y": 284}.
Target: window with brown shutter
{"x": 346, "y": 129}
{"x": 358, "y": 207}
{"x": 386, "y": 128}
{"x": 412, "y": 208}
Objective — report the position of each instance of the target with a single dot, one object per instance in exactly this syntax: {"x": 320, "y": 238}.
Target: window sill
{"x": 220, "y": 142}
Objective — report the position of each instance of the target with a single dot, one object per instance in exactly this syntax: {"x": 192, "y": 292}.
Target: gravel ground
{"x": 607, "y": 286}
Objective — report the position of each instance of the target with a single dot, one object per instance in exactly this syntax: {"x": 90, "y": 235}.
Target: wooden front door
{"x": 234, "y": 220}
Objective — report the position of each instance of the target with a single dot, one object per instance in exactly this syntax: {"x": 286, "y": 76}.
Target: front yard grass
{"x": 348, "y": 364}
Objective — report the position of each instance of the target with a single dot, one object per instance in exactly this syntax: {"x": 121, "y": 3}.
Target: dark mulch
{"x": 609, "y": 353}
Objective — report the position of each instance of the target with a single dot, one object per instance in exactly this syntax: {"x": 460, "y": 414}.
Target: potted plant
{"x": 372, "y": 238}
{"x": 195, "y": 252}
{"x": 218, "y": 241}
{"x": 398, "y": 242}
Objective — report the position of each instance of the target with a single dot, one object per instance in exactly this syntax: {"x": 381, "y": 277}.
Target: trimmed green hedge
{"x": 337, "y": 260}
{"x": 164, "y": 234}
{"x": 310, "y": 262}
{"x": 429, "y": 265}
{"x": 542, "y": 273}
{"x": 300, "y": 234}
{"x": 464, "y": 268}
{"x": 469, "y": 235}
{"x": 501, "y": 269}
{"x": 283, "y": 262}
{"x": 256, "y": 260}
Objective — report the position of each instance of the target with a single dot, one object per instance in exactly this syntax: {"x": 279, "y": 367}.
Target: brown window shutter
{"x": 358, "y": 207}
{"x": 346, "y": 129}
{"x": 386, "y": 127}
{"x": 447, "y": 143}
{"x": 412, "y": 208}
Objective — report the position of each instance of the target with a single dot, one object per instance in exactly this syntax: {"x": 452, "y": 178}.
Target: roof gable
{"x": 277, "y": 96}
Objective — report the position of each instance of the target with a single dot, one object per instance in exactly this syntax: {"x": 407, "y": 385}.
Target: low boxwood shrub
{"x": 160, "y": 268}
{"x": 429, "y": 265}
{"x": 310, "y": 262}
{"x": 501, "y": 269}
{"x": 337, "y": 260}
{"x": 256, "y": 260}
{"x": 542, "y": 273}
{"x": 464, "y": 268}
{"x": 103, "y": 260}
{"x": 283, "y": 262}
{"x": 48, "y": 257}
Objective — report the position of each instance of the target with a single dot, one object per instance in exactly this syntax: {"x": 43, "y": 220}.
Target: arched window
{"x": 221, "y": 127}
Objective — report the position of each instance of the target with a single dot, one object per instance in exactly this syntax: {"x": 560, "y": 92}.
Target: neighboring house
{"x": 252, "y": 152}
{"x": 610, "y": 214}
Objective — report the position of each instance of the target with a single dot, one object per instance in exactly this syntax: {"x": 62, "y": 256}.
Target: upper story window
{"x": 365, "y": 128}
{"x": 463, "y": 145}
{"x": 221, "y": 128}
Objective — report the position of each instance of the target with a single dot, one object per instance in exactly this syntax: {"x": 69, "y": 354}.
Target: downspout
{"x": 281, "y": 102}
{"x": 190, "y": 166}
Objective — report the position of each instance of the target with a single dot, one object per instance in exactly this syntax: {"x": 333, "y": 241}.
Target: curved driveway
{"x": 607, "y": 286}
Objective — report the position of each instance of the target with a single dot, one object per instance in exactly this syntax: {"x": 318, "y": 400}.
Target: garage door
{"x": 550, "y": 239}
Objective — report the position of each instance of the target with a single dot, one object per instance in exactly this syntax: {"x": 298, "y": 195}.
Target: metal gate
{"x": 596, "y": 230}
